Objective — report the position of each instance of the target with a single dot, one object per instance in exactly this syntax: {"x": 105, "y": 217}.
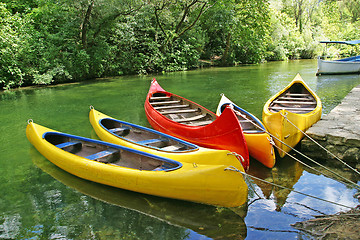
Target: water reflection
{"x": 213, "y": 222}
{"x": 286, "y": 173}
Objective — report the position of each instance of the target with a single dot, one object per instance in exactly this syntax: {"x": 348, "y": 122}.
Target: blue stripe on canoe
{"x": 102, "y": 154}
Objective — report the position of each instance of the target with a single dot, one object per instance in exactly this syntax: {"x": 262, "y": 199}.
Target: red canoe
{"x": 182, "y": 118}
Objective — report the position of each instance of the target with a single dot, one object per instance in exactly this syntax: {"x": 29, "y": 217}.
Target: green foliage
{"x": 49, "y": 42}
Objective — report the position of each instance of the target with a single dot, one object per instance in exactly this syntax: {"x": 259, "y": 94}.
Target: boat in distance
{"x": 151, "y": 141}
{"x": 349, "y": 65}
{"x": 258, "y": 140}
{"x": 182, "y": 118}
{"x": 290, "y": 112}
{"x": 138, "y": 171}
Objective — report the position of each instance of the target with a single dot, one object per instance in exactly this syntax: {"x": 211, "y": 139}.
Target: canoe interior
{"x": 247, "y": 122}
{"x": 94, "y": 151}
{"x": 180, "y": 110}
{"x": 144, "y": 137}
{"x": 296, "y": 99}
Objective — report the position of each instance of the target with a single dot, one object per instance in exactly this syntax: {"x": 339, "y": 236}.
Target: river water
{"x": 40, "y": 201}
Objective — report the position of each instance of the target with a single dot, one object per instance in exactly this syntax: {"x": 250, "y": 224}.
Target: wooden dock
{"x": 338, "y": 131}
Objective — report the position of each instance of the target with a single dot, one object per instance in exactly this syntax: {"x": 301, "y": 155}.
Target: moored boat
{"x": 339, "y": 66}
{"x": 134, "y": 170}
{"x": 290, "y": 112}
{"x": 182, "y": 118}
{"x": 258, "y": 140}
{"x": 151, "y": 141}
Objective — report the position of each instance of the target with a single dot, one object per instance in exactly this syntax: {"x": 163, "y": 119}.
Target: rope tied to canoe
{"x": 232, "y": 168}
{"x": 348, "y": 182}
{"x": 318, "y": 144}
{"x": 238, "y": 156}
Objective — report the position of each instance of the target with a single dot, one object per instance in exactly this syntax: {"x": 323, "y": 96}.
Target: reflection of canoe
{"x": 138, "y": 171}
{"x": 285, "y": 173}
{"x": 182, "y": 118}
{"x": 148, "y": 140}
{"x": 204, "y": 219}
{"x": 297, "y": 103}
{"x": 258, "y": 141}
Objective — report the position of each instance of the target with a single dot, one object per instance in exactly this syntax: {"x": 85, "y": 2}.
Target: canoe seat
{"x": 159, "y": 98}
{"x": 171, "y": 148}
{"x": 122, "y": 131}
{"x": 294, "y": 102}
{"x": 200, "y": 123}
{"x": 298, "y": 94}
{"x": 292, "y": 108}
{"x": 197, "y": 117}
{"x": 253, "y": 131}
{"x": 71, "y": 146}
{"x": 171, "y": 106}
{"x": 179, "y": 111}
{"x": 152, "y": 141}
{"x": 164, "y": 166}
{"x": 165, "y": 102}
{"x": 106, "y": 156}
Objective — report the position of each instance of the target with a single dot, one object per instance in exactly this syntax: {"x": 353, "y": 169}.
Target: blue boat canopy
{"x": 354, "y": 42}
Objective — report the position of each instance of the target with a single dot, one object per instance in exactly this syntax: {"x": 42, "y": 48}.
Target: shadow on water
{"x": 210, "y": 221}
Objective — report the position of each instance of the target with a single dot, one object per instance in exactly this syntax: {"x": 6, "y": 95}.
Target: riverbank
{"x": 338, "y": 132}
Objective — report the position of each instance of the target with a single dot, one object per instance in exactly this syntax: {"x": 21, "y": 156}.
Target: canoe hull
{"x": 338, "y": 66}
{"x": 199, "y": 156}
{"x": 202, "y": 183}
{"x": 258, "y": 142}
{"x": 281, "y": 124}
{"x": 223, "y": 133}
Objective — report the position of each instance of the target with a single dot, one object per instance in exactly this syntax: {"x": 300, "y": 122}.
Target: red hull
{"x": 223, "y": 133}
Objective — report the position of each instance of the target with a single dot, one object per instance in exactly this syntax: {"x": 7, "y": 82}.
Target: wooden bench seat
{"x": 125, "y": 130}
{"x": 292, "y": 108}
{"x": 199, "y": 123}
{"x": 179, "y": 111}
{"x": 68, "y": 144}
{"x": 104, "y": 156}
{"x": 152, "y": 141}
{"x": 171, "y": 106}
{"x": 297, "y": 98}
{"x": 294, "y": 102}
{"x": 160, "y": 98}
{"x": 197, "y": 117}
{"x": 165, "y": 102}
{"x": 297, "y": 94}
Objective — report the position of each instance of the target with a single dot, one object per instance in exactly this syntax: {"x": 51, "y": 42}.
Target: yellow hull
{"x": 199, "y": 156}
{"x": 260, "y": 148}
{"x": 209, "y": 184}
{"x": 259, "y": 142}
{"x": 281, "y": 124}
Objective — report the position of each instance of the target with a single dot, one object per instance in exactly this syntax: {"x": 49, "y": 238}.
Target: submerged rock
{"x": 343, "y": 225}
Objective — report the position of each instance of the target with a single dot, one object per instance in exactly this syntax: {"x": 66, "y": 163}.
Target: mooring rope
{"x": 322, "y": 147}
{"x": 272, "y": 142}
{"x": 232, "y": 168}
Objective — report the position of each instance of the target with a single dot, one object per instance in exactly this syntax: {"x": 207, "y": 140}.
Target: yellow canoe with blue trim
{"x": 138, "y": 171}
{"x": 295, "y": 105}
{"x": 151, "y": 141}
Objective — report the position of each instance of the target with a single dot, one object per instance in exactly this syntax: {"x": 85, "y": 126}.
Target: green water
{"x": 40, "y": 201}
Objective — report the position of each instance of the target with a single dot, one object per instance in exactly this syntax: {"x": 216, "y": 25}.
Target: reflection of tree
{"x": 64, "y": 211}
{"x": 286, "y": 173}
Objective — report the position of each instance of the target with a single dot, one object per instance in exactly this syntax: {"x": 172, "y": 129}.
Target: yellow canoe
{"x": 140, "y": 138}
{"x": 257, "y": 139}
{"x": 295, "y": 105}
{"x": 133, "y": 170}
